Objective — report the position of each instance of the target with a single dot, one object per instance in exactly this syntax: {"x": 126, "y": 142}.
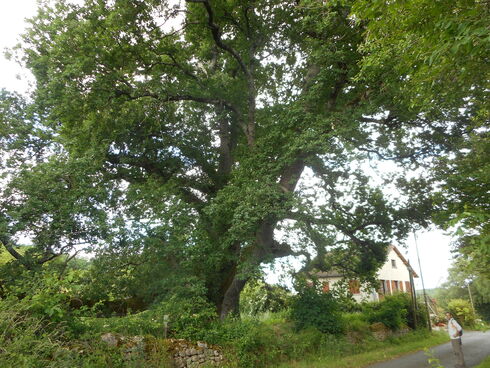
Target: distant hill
{"x": 430, "y": 292}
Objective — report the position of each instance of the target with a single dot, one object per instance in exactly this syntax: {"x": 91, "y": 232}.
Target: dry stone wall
{"x": 184, "y": 354}
{"x": 188, "y": 354}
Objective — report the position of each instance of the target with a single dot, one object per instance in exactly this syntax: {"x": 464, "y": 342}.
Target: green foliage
{"x": 197, "y": 137}
{"x": 462, "y": 202}
{"x": 259, "y": 297}
{"x": 28, "y": 340}
{"x": 392, "y": 311}
{"x": 356, "y": 325}
{"x": 432, "y": 360}
{"x": 48, "y": 296}
{"x": 484, "y": 364}
{"x": 6, "y": 257}
{"x": 186, "y": 314}
{"x": 342, "y": 293}
{"x": 253, "y": 343}
{"x": 189, "y": 317}
{"x": 463, "y": 279}
{"x": 420, "y": 315}
{"x": 440, "y": 47}
{"x": 433, "y": 53}
{"x": 25, "y": 340}
{"x": 462, "y": 311}
{"x": 311, "y": 308}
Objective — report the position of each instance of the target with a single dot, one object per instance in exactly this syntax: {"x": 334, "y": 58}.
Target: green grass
{"x": 484, "y": 364}
{"x": 375, "y": 352}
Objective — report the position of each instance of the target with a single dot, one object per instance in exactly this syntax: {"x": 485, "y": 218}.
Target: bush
{"x": 259, "y": 297}
{"x": 311, "y": 308}
{"x": 29, "y": 341}
{"x": 188, "y": 318}
{"x": 356, "y": 323}
{"x": 462, "y": 311}
{"x": 250, "y": 342}
{"x": 392, "y": 311}
{"x": 47, "y": 294}
{"x": 20, "y": 342}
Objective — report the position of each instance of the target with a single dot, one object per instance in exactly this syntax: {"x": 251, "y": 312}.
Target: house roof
{"x": 405, "y": 262}
{"x": 331, "y": 273}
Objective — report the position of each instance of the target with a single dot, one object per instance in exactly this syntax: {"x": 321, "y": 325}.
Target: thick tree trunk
{"x": 265, "y": 248}
{"x": 231, "y": 300}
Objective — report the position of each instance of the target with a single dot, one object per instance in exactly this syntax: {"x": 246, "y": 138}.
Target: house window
{"x": 325, "y": 286}
{"x": 393, "y": 263}
{"x": 354, "y": 287}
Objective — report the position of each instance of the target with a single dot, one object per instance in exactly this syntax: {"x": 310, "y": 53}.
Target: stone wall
{"x": 185, "y": 354}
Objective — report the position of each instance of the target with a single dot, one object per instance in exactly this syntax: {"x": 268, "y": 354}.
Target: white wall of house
{"x": 394, "y": 274}
{"x": 365, "y": 293}
{"x": 399, "y": 272}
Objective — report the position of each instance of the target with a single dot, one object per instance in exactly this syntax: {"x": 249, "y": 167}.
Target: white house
{"x": 393, "y": 276}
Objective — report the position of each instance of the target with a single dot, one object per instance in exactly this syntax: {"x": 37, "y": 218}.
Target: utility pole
{"x": 423, "y": 286}
{"x": 414, "y": 296}
{"x": 471, "y": 297}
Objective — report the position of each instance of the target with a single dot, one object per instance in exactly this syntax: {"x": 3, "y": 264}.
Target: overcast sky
{"x": 433, "y": 245}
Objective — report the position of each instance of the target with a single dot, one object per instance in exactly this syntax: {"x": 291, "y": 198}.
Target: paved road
{"x": 476, "y": 347}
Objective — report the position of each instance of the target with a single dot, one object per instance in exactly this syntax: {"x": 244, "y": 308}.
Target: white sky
{"x": 12, "y": 15}
{"x": 433, "y": 245}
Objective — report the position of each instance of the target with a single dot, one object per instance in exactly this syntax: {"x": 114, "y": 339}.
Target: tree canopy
{"x": 440, "y": 49}
{"x": 181, "y": 135}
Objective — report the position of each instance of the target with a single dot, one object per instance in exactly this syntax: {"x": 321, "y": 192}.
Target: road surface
{"x": 476, "y": 347}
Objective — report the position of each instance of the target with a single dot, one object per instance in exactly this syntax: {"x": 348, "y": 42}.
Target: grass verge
{"x": 484, "y": 364}
{"x": 376, "y": 352}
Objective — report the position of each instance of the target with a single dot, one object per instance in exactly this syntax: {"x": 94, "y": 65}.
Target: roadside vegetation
{"x": 186, "y": 145}
{"x": 48, "y": 320}
{"x": 484, "y": 364}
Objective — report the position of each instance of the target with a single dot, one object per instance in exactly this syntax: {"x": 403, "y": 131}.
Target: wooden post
{"x": 423, "y": 286}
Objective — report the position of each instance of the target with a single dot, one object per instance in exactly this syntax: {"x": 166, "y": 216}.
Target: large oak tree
{"x": 208, "y": 115}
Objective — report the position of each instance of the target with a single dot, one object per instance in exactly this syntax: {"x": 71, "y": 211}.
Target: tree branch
{"x": 291, "y": 174}
{"x": 249, "y": 128}
{"x": 216, "y": 33}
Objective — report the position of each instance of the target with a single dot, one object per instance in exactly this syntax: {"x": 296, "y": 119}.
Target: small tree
{"x": 312, "y": 308}
{"x": 462, "y": 311}
{"x": 259, "y": 297}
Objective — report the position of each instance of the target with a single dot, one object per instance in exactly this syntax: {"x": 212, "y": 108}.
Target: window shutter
{"x": 325, "y": 286}
{"x": 354, "y": 287}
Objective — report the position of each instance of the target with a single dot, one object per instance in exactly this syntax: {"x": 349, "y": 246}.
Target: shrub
{"x": 189, "y": 318}
{"x": 47, "y": 294}
{"x": 462, "y": 311}
{"x": 20, "y": 342}
{"x": 392, "y": 311}
{"x": 311, "y": 308}
{"x": 356, "y": 323}
{"x": 29, "y": 341}
{"x": 259, "y": 297}
{"x": 250, "y": 342}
